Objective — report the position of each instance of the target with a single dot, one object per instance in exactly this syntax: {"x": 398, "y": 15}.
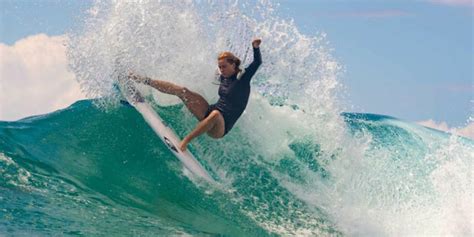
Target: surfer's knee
{"x": 187, "y": 95}
{"x": 214, "y": 114}
{"x": 217, "y": 128}
{"x": 183, "y": 92}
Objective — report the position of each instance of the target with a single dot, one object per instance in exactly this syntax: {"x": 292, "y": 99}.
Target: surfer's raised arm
{"x": 257, "y": 61}
{"x": 257, "y": 57}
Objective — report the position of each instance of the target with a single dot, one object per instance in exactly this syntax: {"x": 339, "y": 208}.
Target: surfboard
{"x": 164, "y": 132}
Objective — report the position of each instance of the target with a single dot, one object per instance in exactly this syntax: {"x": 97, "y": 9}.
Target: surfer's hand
{"x": 256, "y": 43}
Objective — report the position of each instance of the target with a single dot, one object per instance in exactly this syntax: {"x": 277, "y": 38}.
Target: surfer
{"x": 216, "y": 119}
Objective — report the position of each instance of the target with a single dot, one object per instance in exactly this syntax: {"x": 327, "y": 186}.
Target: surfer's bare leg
{"x": 212, "y": 124}
{"x": 193, "y": 101}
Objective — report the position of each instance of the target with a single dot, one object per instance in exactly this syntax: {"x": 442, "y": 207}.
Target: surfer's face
{"x": 227, "y": 69}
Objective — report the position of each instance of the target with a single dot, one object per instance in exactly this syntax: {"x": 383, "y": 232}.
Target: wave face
{"x": 85, "y": 171}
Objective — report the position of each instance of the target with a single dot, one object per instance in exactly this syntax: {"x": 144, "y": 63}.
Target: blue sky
{"x": 408, "y": 59}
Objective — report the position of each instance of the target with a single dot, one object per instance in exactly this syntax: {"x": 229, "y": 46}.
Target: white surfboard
{"x": 165, "y": 133}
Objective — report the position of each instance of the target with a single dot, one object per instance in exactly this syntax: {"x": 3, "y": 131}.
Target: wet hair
{"x": 230, "y": 58}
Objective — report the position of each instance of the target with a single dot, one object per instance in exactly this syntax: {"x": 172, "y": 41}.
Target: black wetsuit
{"x": 234, "y": 93}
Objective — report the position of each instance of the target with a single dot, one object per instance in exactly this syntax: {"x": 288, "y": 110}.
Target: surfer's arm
{"x": 257, "y": 61}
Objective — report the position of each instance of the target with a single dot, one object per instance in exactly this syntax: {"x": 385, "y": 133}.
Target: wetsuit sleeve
{"x": 252, "y": 68}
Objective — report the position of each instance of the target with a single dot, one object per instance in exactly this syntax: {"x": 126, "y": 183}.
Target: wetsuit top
{"x": 234, "y": 93}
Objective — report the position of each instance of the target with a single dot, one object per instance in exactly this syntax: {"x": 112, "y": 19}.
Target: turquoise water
{"x": 83, "y": 171}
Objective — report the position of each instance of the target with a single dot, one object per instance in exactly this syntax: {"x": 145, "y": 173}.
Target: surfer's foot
{"x": 139, "y": 79}
{"x": 133, "y": 76}
{"x": 183, "y": 145}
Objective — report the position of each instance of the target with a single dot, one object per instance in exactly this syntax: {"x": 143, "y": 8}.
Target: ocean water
{"x": 295, "y": 163}
{"x": 83, "y": 171}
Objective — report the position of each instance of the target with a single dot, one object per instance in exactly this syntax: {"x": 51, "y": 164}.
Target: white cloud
{"x": 34, "y": 78}
{"x": 467, "y": 131}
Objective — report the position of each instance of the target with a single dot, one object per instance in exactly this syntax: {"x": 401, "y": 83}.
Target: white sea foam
{"x": 12, "y": 173}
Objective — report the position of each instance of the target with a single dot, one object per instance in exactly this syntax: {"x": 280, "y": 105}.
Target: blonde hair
{"x": 230, "y": 58}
